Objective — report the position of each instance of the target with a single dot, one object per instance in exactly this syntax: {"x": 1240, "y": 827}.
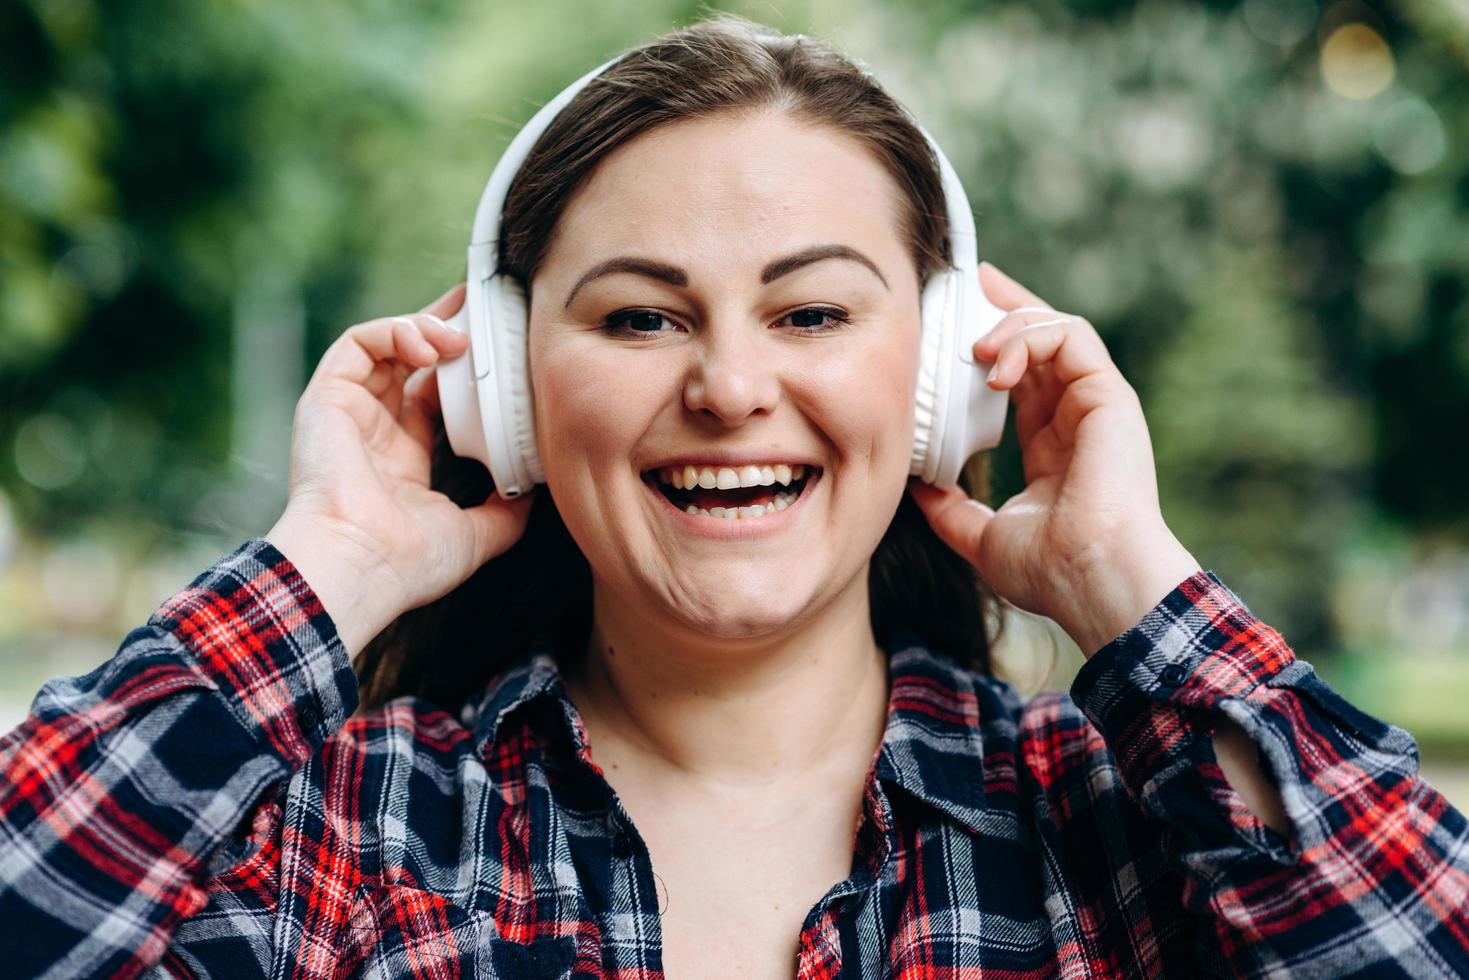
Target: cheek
{"x": 583, "y": 406}
{"x": 867, "y": 401}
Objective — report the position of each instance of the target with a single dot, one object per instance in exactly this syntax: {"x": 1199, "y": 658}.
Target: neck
{"x": 733, "y": 710}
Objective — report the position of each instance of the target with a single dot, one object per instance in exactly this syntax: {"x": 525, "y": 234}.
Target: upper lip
{"x": 731, "y": 458}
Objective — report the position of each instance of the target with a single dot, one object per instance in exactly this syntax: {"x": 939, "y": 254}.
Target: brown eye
{"x": 817, "y": 319}
{"x": 629, "y": 323}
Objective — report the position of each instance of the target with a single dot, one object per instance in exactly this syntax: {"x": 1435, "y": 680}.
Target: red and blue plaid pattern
{"x": 203, "y": 805}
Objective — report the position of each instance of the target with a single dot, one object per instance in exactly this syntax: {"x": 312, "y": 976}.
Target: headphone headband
{"x": 492, "y": 201}
{"x": 963, "y": 244}
{"x": 489, "y": 411}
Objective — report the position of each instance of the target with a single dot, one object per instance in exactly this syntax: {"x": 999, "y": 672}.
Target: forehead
{"x": 733, "y": 185}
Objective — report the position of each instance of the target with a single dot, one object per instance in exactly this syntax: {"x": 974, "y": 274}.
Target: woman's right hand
{"x": 361, "y": 524}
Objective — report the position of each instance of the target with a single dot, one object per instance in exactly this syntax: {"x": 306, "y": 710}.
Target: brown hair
{"x": 540, "y": 590}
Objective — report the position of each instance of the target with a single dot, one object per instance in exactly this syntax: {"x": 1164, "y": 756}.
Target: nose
{"x": 732, "y": 376}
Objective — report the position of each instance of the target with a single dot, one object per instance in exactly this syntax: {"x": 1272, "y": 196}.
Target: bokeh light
{"x": 80, "y": 580}
{"x": 50, "y": 451}
{"x": 1356, "y": 62}
{"x": 9, "y": 534}
{"x": 1409, "y": 135}
{"x": 1280, "y": 22}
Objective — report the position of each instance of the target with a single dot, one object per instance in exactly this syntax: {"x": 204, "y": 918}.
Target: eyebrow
{"x": 674, "y": 276}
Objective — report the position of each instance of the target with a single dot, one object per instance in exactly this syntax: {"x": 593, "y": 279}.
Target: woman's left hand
{"x": 1085, "y": 542}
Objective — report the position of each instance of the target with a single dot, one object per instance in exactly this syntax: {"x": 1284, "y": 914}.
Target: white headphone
{"x": 485, "y": 393}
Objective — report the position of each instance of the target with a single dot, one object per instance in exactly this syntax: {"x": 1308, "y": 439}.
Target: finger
{"x": 448, "y": 304}
{"x": 421, "y": 406}
{"x": 445, "y": 341}
{"x": 415, "y": 341}
{"x": 1012, "y": 323}
{"x": 958, "y": 520}
{"x": 1034, "y": 398}
{"x": 1005, "y": 292}
{"x": 385, "y": 383}
{"x": 422, "y": 387}
{"x": 1073, "y": 349}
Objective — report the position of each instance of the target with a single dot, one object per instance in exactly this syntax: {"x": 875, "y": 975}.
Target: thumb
{"x": 958, "y": 520}
{"x": 498, "y": 523}
{"x": 1004, "y": 291}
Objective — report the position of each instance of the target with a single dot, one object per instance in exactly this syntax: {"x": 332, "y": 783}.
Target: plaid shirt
{"x": 202, "y": 804}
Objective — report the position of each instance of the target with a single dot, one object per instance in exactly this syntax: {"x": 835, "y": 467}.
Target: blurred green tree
{"x": 1264, "y": 217}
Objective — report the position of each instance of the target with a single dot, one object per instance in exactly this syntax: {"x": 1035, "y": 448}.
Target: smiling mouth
{"x": 735, "y": 503}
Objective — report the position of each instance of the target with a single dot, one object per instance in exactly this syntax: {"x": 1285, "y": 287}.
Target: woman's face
{"x": 728, "y": 292}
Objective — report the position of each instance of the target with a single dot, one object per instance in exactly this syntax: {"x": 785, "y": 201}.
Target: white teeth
{"x": 729, "y": 478}
{"x": 781, "y": 502}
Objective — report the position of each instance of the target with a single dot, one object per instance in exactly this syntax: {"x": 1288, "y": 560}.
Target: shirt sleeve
{"x": 120, "y": 785}
{"x": 1372, "y": 873}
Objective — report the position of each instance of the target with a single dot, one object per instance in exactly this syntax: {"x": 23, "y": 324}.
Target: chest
{"x": 735, "y": 898}
{"x": 517, "y": 871}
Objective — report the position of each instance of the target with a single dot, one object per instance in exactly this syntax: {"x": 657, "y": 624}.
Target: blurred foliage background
{"x": 1263, "y": 206}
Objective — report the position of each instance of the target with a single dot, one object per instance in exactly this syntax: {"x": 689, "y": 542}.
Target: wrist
{"x": 1117, "y": 587}
{"x": 345, "y": 578}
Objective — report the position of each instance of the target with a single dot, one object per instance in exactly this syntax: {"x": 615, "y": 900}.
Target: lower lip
{"x": 738, "y": 528}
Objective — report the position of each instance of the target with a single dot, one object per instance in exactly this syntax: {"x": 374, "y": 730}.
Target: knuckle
{"x": 325, "y": 397}
{"x": 1112, "y": 385}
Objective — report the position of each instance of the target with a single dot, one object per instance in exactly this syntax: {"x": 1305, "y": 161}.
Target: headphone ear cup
{"x": 957, "y": 413}
{"x": 511, "y": 329}
{"x": 459, "y": 398}
{"x": 937, "y": 306}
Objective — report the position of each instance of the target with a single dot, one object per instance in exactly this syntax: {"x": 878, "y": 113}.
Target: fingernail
{"x": 994, "y": 372}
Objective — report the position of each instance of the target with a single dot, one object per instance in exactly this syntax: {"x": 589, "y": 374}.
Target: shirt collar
{"x": 938, "y": 714}
{"x": 932, "y": 745}
{"x": 535, "y": 677}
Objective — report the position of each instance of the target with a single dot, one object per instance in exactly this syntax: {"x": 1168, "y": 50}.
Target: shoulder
{"x": 1045, "y": 736}
{"x": 402, "y": 726}
{"x": 405, "y": 757}
{"x": 926, "y": 682}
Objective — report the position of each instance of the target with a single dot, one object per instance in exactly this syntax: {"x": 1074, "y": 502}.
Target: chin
{"x": 732, "y": 609}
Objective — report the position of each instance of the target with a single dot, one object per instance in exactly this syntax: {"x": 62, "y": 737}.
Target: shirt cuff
{"x": 259, "y": 633}
{"x": 1199, "y": 644}
{"x": 1155, "y": 694}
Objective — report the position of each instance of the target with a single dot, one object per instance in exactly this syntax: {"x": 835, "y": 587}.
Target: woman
{"x": 602, "y": 735}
